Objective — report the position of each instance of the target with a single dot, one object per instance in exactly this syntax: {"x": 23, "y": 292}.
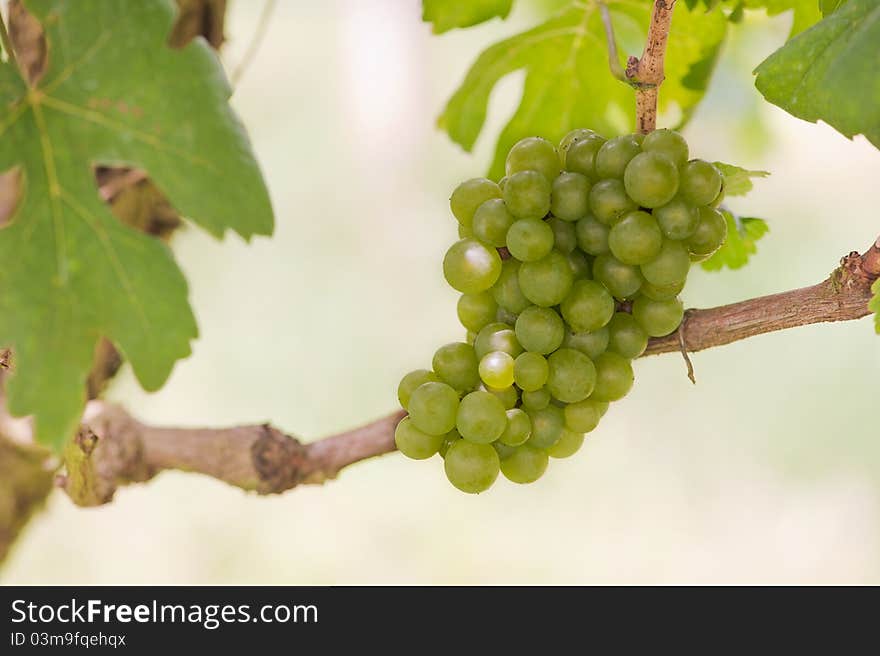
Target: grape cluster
{"x": 567, "y": 267}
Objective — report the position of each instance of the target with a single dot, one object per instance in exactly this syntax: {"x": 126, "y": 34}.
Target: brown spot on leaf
{"x": 10, "y": 194}
{"x": 28, "y": 41}
{"x": 199, "y": 18}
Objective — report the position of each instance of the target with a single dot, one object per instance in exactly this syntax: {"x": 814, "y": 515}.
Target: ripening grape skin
{"x": 651, "y": 179}
{"x": 503, "y": 450}
{"x": 592, "y": 236}
{"x": 591, "y": 344}
{"x": 636, "y": 238}
{"x": 411, "y": 381}
{"x": 518, "y": 429}
{"x": 564, "y": 235}
{"x": 664, "y": 293}
{"x": 677, "y": 219}
{"x": 536, "y": 400}
{"x": 584, "y": 416}
{"x": 433, "y": 408}
{"x": 496, "y": 370}
{"x": 587, "y": 307}
{"x": 469, "y": 195}
{"x": 658, "y": 318}
{"x": 477, "y": 310}
{"x": 533, "y": 154}
{"x": 497, "y": 337}
{"x": 547, "y": 281}
{"x": 710, "y": 233}
{"x": 622, "y": 280}
{"x": 414, "y": 443}
{"x": 506, "y": 292}
{"x": 668, "y": 143}
{"x": 539, "y": 330}
{"x": 569, "y": 198}
{"x": 448, "y": 440}
{"x": 580, "y": 155}
{"x": 470, "y": 467}
{"x": 609, "y": 201}
{"x": 578, "y": 134}
{"x": 527, "y": 195}
{"x": 530, "y": 371}
{"x": 700, "y": 182}
{"x": 491, "y": 222}
{"x": 509, "y": 396}
{"x": 626, "y": 336}
{"x": 670, "y": 267}
{"x": 481, "y": 417}
{"x": 569, "y": 444}
{"x": 580, "y": 264}
{"x": 530, "y": 239}
{"x": 572, "y": 375}
{"x": 470, "y": 267}
{"x": 547, "y": 425}
{"x": 525, "y": 465}
{"x": 456, "y": 364}
{"x": 614, "y": 155}
{"x": 614, "y": 377}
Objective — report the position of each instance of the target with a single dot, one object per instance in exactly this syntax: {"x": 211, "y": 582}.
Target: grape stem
{"x": 645, "y": 73}
{"x": 113, "y": 448}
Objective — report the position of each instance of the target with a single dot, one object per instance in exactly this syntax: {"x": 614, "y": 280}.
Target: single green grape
{"x": 496, "y": 337}
{"x": 570, "y": 196}
{"x": 580, "y": 155}
{"x": 506, "y": 292}
{"x": 476, "y": 310}
{"x": 530, "y": 239}
{"x": 668, "y": 143}
{"x": 464, "y": 232}
{"x": 614, "y": 155}
{"x": 448, "y": 440}
{"x": 670, "y": 267}
{"x": 470, "y": 467}
{"x": 572, "y": 375}
{"x": 583, "y": 416}
{"x": 469, "y": 195}
{"x": 700, "y": 182}
{"x": 664, "y": 293}
{"x": 564, "y": 235}
{"x": 677, "y": 219}
{"x": 569, "y": 444}
{"x": 539, "y": 329}
{"x": 609, "y": 201}
{"x": 578, "y": 134}
{"x": 496, "y": 369}
{"x": 506, "y": 316}
{"x": 536, "y": 399}
{"x": 614, "y": 377}
{"x": 651, "y": 179}
{"x": 503, "y": 450}
{"x": 587, "y": 307}
{"x": 547, "y": 281}
{"x": 411, "y": 381}
{"x": 592, "y": 236}
{"x": 626, "y": 336}
{"x": 581, "y": 265}
{"x": 509, "y": 396}
{"x": 622, "y": 280}
{"x": 592, "y": 344}
{"x": 456, "y": 364}
{"x": 525, "y": 465}
{"x": 527, "y": 195}
{"x": 481, "y": 417}
{"x": 710, "y": 233}
{"x": 658, "y": 318}
{"x": 547, "y": 425}
{"x": 433, "y": 408}
{"x": 530, "y": 371}
{"x": 636, "y": 238}
{"x": 414, "y": 443}
{"x": 470, "y": 267}
{"x": 518, "y": 429}
{"x": 491, "y": 222}
{"x": 533, "y": 154}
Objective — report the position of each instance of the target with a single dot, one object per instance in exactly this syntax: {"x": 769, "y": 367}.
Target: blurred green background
{"x": 768, "y": 470}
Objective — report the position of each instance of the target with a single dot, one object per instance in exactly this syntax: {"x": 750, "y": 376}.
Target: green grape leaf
{"x": 874, "y": 305}
{"x": 113, "y": 94}
{"x": 737, "y": 180}
{"x": 805, "y": 12}
{"x": 828, "y": 7}
{"x": 742, "y": 233}
{"x": 568, "y": 84}
{"x": 829, "y": 72}
{"x": 445, "y": 15}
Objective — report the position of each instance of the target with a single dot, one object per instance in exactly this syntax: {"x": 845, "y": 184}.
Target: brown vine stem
{"x": 646, "y": 72}
{"x": 114, "y": 449}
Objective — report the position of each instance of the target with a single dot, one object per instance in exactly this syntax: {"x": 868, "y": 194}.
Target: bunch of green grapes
{"x": 566, "y": 266}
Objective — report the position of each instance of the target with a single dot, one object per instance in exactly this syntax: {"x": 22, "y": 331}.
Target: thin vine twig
{"x": 613, "y": 58}
{"x": 255, "y": 42}
{"x": 646, "y": 72}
